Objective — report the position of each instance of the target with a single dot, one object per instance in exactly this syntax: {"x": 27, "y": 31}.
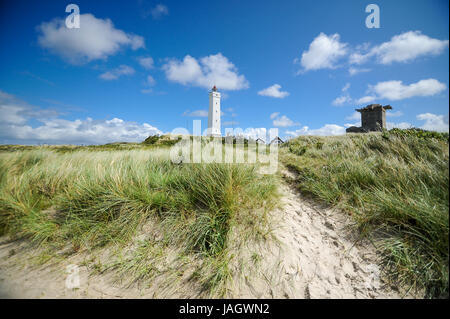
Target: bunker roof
{"x": 372, "y": 107}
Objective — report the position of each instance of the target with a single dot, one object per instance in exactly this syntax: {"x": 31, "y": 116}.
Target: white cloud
{"x": 357, "y": 124}
{"x": 146, "y": 62}
{"x": 281, "y": 121}
{"x": 323, "y": 53}
{"x": 14, "y": 111}
{"x": 196, "y": 113}
{"x": 434, "y": 122}
{"x": 149, "y": 82}
{"x": 159, "y": 11}
{"x": 326, "y": 130}
{"x": 404, "y": 47}
{"x": 15, "y": 128}
{"x": 116, "y": 73}
{"x": 341, "y": 100}
{"x": 208, "y": 71}
{"x": 353, "y": 71}
{"x": 396, "y": 90}
{"x": 358, "y": 58}
{"x": 366, "y": 99}
{"x": 95, "y": 39}
{"x": 274, "y": 115}
{"x": 274, "y": 91}
{"x": 346, "y": 87}
{"x": 89, "y": 131}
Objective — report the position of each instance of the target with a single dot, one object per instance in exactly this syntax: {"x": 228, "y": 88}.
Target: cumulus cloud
{"x": 274, "y": 91}
{"x": 434, "y": 122}
{"x": 323, "y": 53}
{"x": 159, "y": 11}
{"x": 206, "y": 72}
{"x": 95, "y": 39}
{"x": 116, "y": 73}
{"x": 15, "y": 127}
{"x": 404, "y": 47}
{"x": 393, "y": 90}
{"x": 396, "y": 90}
{"x": 281, "y": 121}
{"x": 326, "y": 130}
{"x": 146, "y": 62}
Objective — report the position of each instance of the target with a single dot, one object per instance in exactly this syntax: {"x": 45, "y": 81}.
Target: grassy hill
{"x": 87, "y": 198}
{"x": 396, "y": 186}
{"x": 158, "y": 217}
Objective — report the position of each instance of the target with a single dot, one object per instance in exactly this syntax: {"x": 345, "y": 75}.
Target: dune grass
{"x": 90, "y": 199}
{"x": 396, "y": 186}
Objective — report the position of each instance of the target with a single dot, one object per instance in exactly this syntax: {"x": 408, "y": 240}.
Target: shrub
{"x": 152, "y": 139}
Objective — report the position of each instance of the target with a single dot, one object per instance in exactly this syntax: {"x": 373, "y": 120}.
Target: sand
{"x": 313, "y": 252}
{"x": 319, "y": 255}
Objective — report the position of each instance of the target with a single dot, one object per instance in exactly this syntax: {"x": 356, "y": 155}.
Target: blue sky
{"x": 136, "y": 67}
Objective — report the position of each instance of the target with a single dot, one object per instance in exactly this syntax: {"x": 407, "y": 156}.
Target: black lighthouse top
{"x": 214, "y": 88}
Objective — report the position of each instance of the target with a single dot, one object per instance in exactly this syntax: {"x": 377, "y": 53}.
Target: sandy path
{"x": 314, "y": 256}
{"x": 318, "y": 256}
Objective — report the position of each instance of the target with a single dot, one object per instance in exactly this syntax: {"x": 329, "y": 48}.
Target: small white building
{"x": 277, "y": 140}
{"x": 214, "y": 113}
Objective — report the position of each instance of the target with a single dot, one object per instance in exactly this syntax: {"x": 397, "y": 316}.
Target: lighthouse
{"x": 214, "y": 113}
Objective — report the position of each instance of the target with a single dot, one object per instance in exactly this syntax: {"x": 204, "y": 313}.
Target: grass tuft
{"x": 88, "y": 199}
{"x": 395, "y": 185}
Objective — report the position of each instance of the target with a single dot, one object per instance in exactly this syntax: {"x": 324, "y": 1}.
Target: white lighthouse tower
{"x": 214, "y": 113}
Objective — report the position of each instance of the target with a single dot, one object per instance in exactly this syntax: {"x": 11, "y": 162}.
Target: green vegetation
{"x": 163, "y": 140}
{"x": 417, "y": 132}
{"x": 93, "y": 197}
{"x": 178, "y": 220}
{"x": 396, "y": 186}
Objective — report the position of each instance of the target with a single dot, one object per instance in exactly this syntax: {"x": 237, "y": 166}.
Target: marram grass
{"x": 396, "y": 186}
{"x": 89, "y": 199}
